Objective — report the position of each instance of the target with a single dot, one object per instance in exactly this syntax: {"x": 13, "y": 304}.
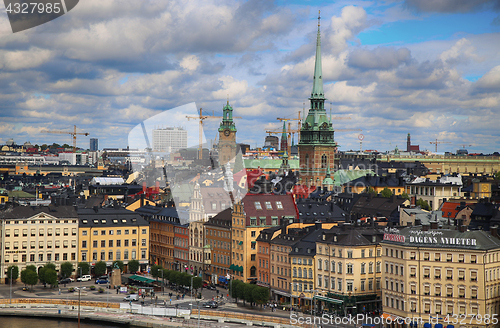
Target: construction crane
{"x": 437, "y": 143}
{"x": 202, "y": 118}
{"x": 74, "y": 134}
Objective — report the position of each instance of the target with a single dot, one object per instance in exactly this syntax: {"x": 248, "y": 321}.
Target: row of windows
{"x": 279, "y": 258}
{"x": 350, "y": 268}
{"x": 41, "y": 244}
{"x": 438, "y": 307}
{"x": 338, "y": 253}
{"x": 426, "y": 290}
{"x": 38, "y": 221}
{"x": 449, "y": 273}
{"x": 324, "y": 283}
{"x": 218, "y": 233}
{"x": 258, "y": 206}
{"x": 280, "y": 269}
{"x": 41, "y": 257}
{"x": 111, "y": 232}
{"x": 111, "y": 243}
{"x": 41, "y": 232}
{"x": 113, "y": 255}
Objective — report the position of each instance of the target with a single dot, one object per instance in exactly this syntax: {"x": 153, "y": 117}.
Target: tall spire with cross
{"x": 317, "y": 91}
{"x": 317, "y": 145}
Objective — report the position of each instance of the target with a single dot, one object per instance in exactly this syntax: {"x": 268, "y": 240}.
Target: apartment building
{"x": 218, "y": 237}
{"x": 348, "y": 269}
{"x": 251, "y": 215}
{"x": 112, "y": 233}
{"x": 432, "y": 272}
{"x": 35, "y": 235}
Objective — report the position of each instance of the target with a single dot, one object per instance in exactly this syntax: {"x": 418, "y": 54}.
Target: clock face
{"x": 227, "y": 132}
{"x": 324, "y": 125}
{"x": 485, "y": 188}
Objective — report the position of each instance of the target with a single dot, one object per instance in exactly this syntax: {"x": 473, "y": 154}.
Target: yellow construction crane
{"x": 437, "y": 143}
{"x": 74, "y": 133}
{"x": 202, "y": 118}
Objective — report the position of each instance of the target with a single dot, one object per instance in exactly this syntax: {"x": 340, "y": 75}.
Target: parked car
{"x": 86, "y": 277}
{"x": 211, "y": 304}
{"x": 210, "y": 287}
{"x": 102, "y": 280}
{"x": 71, "y": 279}
{"x": 131, "y": 297}
{"x": 64, "y": 281}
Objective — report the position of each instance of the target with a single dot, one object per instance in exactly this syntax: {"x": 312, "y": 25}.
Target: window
{"x": 143, "y": 242}
{"x": 257, "y": 206}
{"x": 95, "y": 233}
{"x": 363, "y": 268}
{"x": 110, "y": 243}
{"x": 103, "y": 256}
{"x": 134, "y": 242}
{"x": 349, "y": 254}
{"x": 66, "y": 231}
{"x": 279, "y": 205}
{"x": 349, "y": 268}
{"x": 40, "y": 232}
{"x": 340, "y": 268}
{"x": 118, "y": 243}
{"x": 253, "y": 220}
{"x": 134, "y": 231}
{"x": 473, "y": 259}
{"x": 349, "y": 285}
{"x": 437, "y": 257}
{"x": 73, "y": 231}
{"x": 252, "y": 234}
{"x": 449, "y": 257}
{"x": 268, "y": 206}
{"x": 103, "y": 243}
{"x": 40, "y": 257}
{"x": 262, "y": 220}
{"x": 127, "y": 231}
{"x": 126, "y": 242}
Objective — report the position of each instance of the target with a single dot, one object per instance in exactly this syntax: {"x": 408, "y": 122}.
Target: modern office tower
{"x": 94, "y": 144}
{"x": 169, "y": 139}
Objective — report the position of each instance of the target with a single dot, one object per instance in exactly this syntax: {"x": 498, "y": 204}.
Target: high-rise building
{"x": 317, "y": 146}
{"x": 94, "y": 144}
{"x": 169, "y": 139}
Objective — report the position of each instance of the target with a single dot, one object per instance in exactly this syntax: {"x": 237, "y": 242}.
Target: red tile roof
{"x": 450, "y": 209}
{"x": 289, "y": 209}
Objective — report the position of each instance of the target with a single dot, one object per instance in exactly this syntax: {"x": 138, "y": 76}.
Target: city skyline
{"x": 395, "y": 67}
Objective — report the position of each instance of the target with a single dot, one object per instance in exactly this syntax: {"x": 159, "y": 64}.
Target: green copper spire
{"x": 317, "y": 91}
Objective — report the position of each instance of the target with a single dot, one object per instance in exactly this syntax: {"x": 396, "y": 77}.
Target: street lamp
{"x": 198, "y": 313}
{"x": 12, "y": 268}
{"x": 291, "y": 299}
{"x": 192, "y": 288}
{"x": 312, "y": 307}
{"x": 79, "y": 300}
{"x": 162, "y": 282}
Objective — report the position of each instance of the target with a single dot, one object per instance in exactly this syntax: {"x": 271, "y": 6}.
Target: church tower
{"x": 227, "y": 136}
{"x": 317, "y": 146}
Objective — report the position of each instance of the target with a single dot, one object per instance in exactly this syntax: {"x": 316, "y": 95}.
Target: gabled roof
{"x": 26, "y": 212}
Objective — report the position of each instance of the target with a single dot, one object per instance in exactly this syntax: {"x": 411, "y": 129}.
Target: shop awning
{"x": 142, "y": 279}
{"x": 231, "y": 267}
{"x": 241, "y": 243}
{"x": 438, "y": 325}
{"x": 328, "y": 299}
{"x": 239, "y": 268}
{"x": 279, "y": 292}
{"x": 427, "y": 325}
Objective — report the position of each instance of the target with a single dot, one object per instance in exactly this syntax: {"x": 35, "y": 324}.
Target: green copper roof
{"x": 283, "y": 134}
{"x": 227, "y": 118}
{"x": 317, "y": 91}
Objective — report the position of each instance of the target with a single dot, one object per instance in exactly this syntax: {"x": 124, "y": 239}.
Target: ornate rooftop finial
{"x": 319, "y": 17}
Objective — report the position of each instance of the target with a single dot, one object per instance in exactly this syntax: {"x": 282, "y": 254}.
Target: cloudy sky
{"x": 423, "y": 67}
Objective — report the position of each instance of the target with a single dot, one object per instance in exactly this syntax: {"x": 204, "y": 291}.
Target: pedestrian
{"x": 117, "y": 290}
{"x": 59, "y": 291}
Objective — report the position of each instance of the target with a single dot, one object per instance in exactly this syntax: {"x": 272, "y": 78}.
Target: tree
{"x": 42, "y": 273}
{"x": 372, "y": 191}
{"x": 119, "y": 264}
{"x": 249, "y": 288}
{"x": 29, "y": 277}
{"x": 51, "y": 277}
{"x": 239, "y": 289}
{"x": 197, "y": 281}
{"x": 15, "y": 272}
{"x": 155, "y": 271}
{"x": 85, "y": 268}
{"x": 100, "y": 268}
{"x": 405, "y": 196}
{"x": 175, "y": 277}
{"x": 31, "y": 267}
{"x": 133, "y": 266}
{"x": 235, "y": 289}
{"x": 423, "y": 204}
{"x": 260, "y": 295}
{"x": 497, "y": 175}
{"x": 166, "y": 274}
{"x": 67, "y": 269}
{"x": 386, "y": 193}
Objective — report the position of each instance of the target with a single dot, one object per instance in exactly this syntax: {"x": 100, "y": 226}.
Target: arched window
{"x": 324, "y": 162}
{"x": 300, "y": 273}
{"x": 253, "y": 271}
{"x": 310, "y": 273}
{"x": 295, "y": 272}
{"x": 305, "y": 273}
{"x": 307, "y": 161}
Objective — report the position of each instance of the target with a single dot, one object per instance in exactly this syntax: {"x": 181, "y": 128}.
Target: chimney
{"x": 494, "y": 231}
{"x": 413, "y": 200}
{"x": 317, "y": 226}
{"x": 425, "y": 227}
{"x": 393, "y": 198}
{"x": 142, "y": 200}
{"x": 462, "y": 228}
{"x": 434, "y": 225}
{"x": 283, "y": 226}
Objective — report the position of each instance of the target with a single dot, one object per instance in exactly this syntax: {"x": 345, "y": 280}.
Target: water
{"x": 19, "y": 322}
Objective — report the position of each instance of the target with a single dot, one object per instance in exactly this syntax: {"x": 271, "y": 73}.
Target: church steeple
{"x": 317, "y": 91}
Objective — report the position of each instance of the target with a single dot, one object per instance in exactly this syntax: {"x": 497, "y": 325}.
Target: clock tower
{"x": 227, "y": 136}
{"x": 317, "y": 146}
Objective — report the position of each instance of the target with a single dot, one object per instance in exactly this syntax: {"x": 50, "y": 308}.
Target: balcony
{"x": 473, "y": 279}
{"x": 437, "y": 294}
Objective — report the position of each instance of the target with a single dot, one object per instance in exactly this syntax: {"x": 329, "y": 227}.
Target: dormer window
{"x": 257, "y": 206}
{"x": 103, "y": 221}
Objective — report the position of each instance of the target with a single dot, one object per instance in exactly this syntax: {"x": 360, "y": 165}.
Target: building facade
{"x": 169, "y": 139}
{"x": 110, "y": 234}
{"x": 218, "y": 237}
{"x": 37, "y": 235}
{"x": 431, "y": 272}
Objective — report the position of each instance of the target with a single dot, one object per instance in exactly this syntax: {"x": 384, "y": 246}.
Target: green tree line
{"x": 176, "y": 277}
{"x": 250, "y": 293}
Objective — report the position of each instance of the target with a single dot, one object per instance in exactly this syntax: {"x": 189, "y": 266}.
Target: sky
{"x": 429, "y": 68}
